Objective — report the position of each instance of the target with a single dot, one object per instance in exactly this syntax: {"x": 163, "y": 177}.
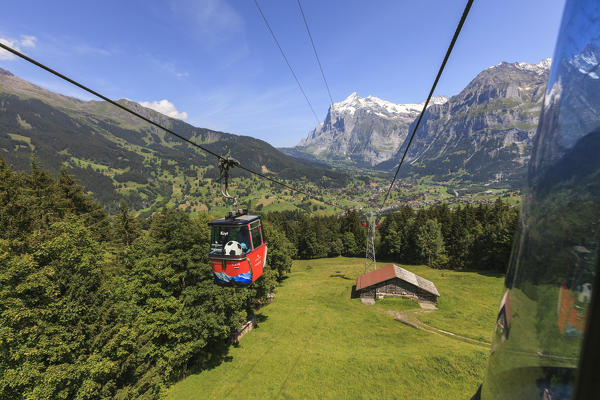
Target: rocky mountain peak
{"x": 486, "y": 131}
{"x": 5, "y": 72}
{"x": 545, "y": 63}
{"x": 366, "y": 130}
{"x": 540, "y": 68}
{"x": 485, "y": 128}
{"x": 383, "y": 108}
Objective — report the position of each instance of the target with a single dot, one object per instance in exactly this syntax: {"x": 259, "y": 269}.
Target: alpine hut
{"x": 393, "y": 280}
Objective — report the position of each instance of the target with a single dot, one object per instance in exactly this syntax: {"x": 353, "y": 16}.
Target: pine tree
{"x": 430, "y": 241}
{"x": 126, "y": 227}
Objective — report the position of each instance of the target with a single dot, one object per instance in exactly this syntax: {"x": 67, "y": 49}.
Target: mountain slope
{"x": 483, "y": 134}
{"x": 366, "y": 130}
{"x": 117, "y": 156}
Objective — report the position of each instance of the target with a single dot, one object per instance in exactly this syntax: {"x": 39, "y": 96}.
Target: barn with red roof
{"x": 393, "y": 280}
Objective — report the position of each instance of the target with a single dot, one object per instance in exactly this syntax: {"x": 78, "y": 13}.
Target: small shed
{"x": 393, "y": 280}
{"x": 245, "y": 328}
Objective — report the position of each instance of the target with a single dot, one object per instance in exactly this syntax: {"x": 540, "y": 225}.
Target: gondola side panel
{"x": 232, "y": 271}
{"x": 258, "y": 260}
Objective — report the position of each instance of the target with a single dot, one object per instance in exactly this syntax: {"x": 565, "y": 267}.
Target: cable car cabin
{"x": 238, "y": 252}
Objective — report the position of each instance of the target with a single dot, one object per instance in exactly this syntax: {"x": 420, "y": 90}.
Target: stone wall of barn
{"x": 368, "y": 293}
{"x": 397, "y": 287}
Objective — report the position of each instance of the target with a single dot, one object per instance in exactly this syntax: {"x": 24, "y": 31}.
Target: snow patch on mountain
{"x": 539, "y": 68}
{"x": 383, "y": 108}
{"x": 367, "y": 130}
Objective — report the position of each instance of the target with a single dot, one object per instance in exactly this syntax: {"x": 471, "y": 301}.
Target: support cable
{"x": 148, "y": 120}
{"x": 286, "y": 60}
{"x": 315, "y": 51}
{"x": 437, "y": 78}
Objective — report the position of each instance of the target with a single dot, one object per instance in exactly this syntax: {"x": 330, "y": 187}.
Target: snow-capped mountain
{"x": 483, "y": 133}
{"x": 365, "y": 130}
{"x": 382, "y": 108}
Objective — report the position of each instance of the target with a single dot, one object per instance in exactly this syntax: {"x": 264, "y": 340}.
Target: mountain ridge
{"x": 368, "y": 126}
{"x": 113, "y": 152}
{"x": 485, "y": 132}
{"x": 510, "y": 94}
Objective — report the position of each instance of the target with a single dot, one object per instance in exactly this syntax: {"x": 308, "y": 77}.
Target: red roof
{"x": 374, "y": 277}
{"x": 393, "y": 271}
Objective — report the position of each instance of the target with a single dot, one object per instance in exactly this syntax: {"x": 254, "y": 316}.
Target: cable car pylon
{"x": 370, "y": 261}
{"x": 371, "y": 222}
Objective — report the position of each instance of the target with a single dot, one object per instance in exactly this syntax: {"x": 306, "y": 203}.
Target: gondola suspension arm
{"x": 225, "y": 164}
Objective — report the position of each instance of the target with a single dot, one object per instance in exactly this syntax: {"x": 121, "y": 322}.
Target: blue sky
{"x": 216, "y": 65}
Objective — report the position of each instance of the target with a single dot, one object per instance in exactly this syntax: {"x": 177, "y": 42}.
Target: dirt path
{"x": 410, "y": 318}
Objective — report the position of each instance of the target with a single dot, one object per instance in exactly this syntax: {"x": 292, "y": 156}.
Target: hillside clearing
{"x": 314, "y": 341}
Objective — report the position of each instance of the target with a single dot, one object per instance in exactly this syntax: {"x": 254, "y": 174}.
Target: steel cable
{"x": 437, "y": 78}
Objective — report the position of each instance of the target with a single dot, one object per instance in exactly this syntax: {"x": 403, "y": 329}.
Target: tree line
{"x": 467, "y": 237}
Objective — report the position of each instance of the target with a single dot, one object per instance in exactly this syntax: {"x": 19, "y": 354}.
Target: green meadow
{"x": 314, "y": 341}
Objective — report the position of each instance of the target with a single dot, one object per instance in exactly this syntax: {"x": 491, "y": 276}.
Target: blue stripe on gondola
{"x": 243, "y": 278}
{"x": 221, "y": 277}
{"x": 265, "y": 259}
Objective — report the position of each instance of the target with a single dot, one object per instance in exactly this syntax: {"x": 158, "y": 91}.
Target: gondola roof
{"x": 239, "y": 220}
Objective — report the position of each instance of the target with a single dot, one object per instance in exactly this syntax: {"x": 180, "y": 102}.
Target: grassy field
{"x": 314, "y": 341}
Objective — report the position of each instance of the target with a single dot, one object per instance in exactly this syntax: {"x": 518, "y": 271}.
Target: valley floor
{"x": 314, "y": 341}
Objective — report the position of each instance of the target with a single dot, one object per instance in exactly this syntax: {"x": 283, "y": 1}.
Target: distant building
{"x": 393, "y": 280}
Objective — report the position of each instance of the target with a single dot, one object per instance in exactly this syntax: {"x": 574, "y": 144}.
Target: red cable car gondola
{"x": 238, "y": 251}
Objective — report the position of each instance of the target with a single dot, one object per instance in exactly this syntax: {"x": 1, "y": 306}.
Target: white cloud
{"x": 25, "y": 41}
{"x": 85, "y": 49}
{"x": 28, "y": 40}
{"x": 213, "y": 21}
{"x": 170, "y": 67}
{"x": 165, "y": 107}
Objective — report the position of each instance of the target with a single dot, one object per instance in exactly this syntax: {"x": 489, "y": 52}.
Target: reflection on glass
{"x": 230, "y": 240}
{"x": 549, "y": 283}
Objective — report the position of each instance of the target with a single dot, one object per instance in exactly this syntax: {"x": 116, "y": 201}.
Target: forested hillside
{"x": 92, "y": 307}
{"x": 117, "y": 156}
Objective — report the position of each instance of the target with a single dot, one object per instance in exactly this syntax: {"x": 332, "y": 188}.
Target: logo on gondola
{"x": 241, "y": 278}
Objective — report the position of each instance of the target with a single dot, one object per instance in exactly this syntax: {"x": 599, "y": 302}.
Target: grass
{"x": 20, "y": 138}
{"x": 468, "y": 304}
{"x": 316, "y": 342}
{"x": 397, "y": 304}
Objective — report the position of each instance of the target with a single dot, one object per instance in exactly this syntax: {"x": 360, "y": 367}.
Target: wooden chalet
{"x": 393, "y": 280}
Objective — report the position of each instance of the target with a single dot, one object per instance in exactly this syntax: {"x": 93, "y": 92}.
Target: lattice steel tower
{"x": 370, "y": 263}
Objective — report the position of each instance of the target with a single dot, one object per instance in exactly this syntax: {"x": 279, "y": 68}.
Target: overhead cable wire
{"x": 437, "y": 78}
{"x": 286, "y": 61}
{"x": 312, "y": 42}
{"x": 148, "y": 120}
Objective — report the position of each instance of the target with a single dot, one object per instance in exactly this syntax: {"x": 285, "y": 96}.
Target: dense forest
{"x": 468, "y": 237}
{"x": 97, "y": 306}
